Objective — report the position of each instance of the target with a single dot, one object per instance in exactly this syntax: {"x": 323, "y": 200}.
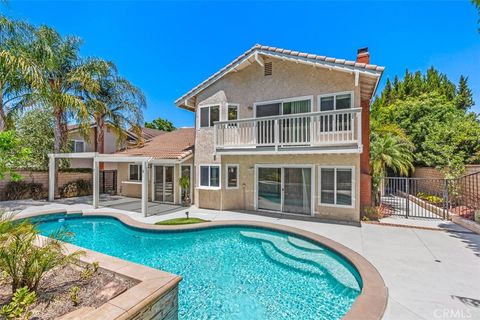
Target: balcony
{"x": 314, "y": 132}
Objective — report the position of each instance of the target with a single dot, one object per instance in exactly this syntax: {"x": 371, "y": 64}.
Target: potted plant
{"x": 185, "y": 185}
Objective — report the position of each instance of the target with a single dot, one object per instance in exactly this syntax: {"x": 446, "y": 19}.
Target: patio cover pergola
{"x": 97, "y": 158}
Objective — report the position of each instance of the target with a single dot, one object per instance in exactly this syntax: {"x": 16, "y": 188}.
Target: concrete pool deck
{"x": 429, "y": 274}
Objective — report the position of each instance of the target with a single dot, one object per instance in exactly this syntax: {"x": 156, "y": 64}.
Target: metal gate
{"x": 108, "y": 182}
{"x": 415, "y": 197}
{"x": 431, "y": 198}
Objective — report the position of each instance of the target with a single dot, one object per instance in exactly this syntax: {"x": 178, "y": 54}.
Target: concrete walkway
{"x": 429, "y": 274}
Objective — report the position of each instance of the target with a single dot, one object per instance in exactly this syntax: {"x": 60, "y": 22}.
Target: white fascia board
{"x": 74, "y": 155}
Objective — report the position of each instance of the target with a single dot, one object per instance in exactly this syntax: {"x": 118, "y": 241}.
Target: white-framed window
{"x": 77, "y": 145}
{"x": 335, "y": 101}
{"x": 208, "y": 116}
{"x": 232, "y": 176}
{"x": 283, "y": 106}
{"x": 209, "y": 176}
{"x": 336, "y": 186}
{"x": 232, "y": 111}
{"x": 135, "y": 172}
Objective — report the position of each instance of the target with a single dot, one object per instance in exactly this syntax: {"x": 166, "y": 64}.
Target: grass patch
{"x": 181, "y": 221}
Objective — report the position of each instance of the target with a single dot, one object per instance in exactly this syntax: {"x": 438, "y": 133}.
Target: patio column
{"x": 96, "y": 184}
{"x": 51, "y": 177}
{"x": 144, "y": 188}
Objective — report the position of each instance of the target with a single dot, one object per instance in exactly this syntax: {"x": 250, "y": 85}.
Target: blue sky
{"x": 166, "y": 48}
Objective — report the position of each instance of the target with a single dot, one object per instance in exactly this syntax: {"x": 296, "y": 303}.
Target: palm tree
{"x": 118, "y": 103}
{"x": 18, "y": 71}
{"x": 389, "y": 151}
{"x": 67, "y": 79}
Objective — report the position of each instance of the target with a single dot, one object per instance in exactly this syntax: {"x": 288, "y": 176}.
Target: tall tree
{"x": 160, "y": 124}
{"x": 117, "y": 103}
{"x": 18, "y": 71}
{"x": 67, "y": 77}
{"x": 476, "y": 3}
{"x": 434, "y": 116}
{"x": 464, "y": 97}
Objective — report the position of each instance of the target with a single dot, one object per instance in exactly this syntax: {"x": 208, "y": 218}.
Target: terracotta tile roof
{"x": 149, "y": 133}
{"x": 294, "y": 54}
{"x": 177, "y": 144}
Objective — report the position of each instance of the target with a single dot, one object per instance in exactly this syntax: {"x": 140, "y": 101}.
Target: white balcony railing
{"x": 315, "y": 129}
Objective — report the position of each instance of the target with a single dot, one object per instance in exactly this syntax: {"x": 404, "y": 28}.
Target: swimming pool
{"x": 228, "y": 272}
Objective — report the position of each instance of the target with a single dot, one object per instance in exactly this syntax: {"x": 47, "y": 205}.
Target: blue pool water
{"x": 228, "y": 272}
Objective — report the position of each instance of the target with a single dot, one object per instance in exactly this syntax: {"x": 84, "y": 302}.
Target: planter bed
{"x": 53, "y": 296}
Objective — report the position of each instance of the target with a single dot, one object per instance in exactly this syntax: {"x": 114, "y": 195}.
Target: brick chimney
{"x": 363, "y": 56}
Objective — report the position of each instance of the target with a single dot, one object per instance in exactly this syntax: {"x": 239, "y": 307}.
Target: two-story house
{"x": 284, "y": 131}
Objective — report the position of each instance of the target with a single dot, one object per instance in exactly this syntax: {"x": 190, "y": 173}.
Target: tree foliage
{"x": 19, "y": 72}
{"x": 433, "y": 114}
{"x": 117, "y": 102}
{"x": 35, "y": 130}
{"x": 11, "y": 155}
{"x": 160, "y": 124}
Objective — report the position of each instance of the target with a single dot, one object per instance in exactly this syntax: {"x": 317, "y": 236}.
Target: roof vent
{"x": 267, "y": 69}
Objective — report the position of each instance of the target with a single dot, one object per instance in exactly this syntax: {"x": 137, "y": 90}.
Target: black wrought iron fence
{"x": 464, "y": 195}
{"x": 432, "y": 198}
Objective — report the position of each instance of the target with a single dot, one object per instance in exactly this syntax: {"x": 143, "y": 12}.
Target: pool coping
{"x": 369, "y": 305}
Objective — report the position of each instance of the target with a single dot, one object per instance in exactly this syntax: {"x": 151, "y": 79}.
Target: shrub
{"x": 77, "y": 188}
{"x": 430, "y": 198}
{"x": 372, "y": 214}
{"x": 24, "y": 260}
{"x": 17, "y": 190}
{"x": 19, "y": 307}
{"x": 74, "y": 295}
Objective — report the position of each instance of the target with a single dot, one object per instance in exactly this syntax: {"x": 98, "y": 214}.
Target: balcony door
{"x": 164, "y": 184}
{"x": 292, "y": 130}
{"x": 285, "y": 189}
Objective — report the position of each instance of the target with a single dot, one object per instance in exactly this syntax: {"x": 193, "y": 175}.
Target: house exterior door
{"x": 164, "y": 183}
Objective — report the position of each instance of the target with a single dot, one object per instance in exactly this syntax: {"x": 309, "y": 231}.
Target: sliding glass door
{"x": 164, "y": 183}
{"x": 297, "y": 193}
{"x": 285, "y": 189}
{"x": 270, "y": 189}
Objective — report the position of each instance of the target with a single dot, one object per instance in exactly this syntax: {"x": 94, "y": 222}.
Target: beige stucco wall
{"x": 134, "y": 189}
{"x": 249, "y": 86}
{"x": 243, "y": 197}
{"x": 110, "y": 147}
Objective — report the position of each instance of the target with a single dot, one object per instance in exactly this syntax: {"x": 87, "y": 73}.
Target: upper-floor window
{"x": 287, "y": 106}
{"x": 232, "y": 112}
{"x": 208, "y": 115}
{"x": 77, "y": 145}
{"x": 336, "y": 101}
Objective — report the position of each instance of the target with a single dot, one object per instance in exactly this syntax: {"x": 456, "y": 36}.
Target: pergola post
{"x": 96, "y": 184}
{"x": 144, "y": 188}
{"x": 51, "y": 177}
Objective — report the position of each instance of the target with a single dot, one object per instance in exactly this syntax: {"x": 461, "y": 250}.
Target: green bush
{"x": 19, "y": 307}
{"x": 17, "y": 190}
{"x": 429, "y": 198}
{"x": 77, "y": 188}
{"x": 372, "y": 214}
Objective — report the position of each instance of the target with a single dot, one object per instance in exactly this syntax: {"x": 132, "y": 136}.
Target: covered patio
{"x": 141, "y": 205}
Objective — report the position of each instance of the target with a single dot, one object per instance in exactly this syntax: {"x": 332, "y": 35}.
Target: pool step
{"x": 319, "y": 259}
{"x": 305, "y": 245}
{"x": 272, "y": 253}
